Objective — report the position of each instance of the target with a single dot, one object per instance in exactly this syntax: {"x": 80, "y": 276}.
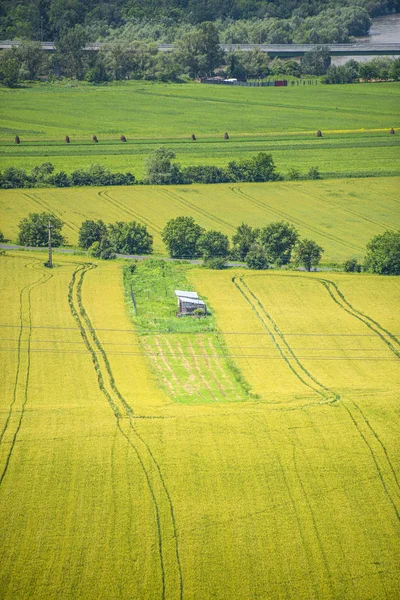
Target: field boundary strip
{"x": 124, "y": 414}
{"x": 24, "y": 297}
{"x": 299, "y": 222}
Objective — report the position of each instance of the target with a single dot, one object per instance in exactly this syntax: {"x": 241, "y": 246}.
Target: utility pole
{"x": 50, "y": 261}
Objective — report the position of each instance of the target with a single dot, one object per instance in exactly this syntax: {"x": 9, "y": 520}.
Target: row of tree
{"x": 277, "y": 244}
{"x": 160, "y": 170}
{"x": 196, "y": 54}
{"x": 259, "y": 248}
{"x": 379, "y": 68}
{"x": 44, "y": 175}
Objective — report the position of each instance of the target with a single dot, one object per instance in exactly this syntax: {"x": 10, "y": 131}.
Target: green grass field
{"x": 341, "y": 215}
{"x": 113, "y": 487}
{"x": 355, "y": 120}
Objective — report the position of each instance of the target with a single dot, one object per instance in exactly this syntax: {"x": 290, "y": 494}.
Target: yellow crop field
{"x": 111, "y": 487}
{"x": 341, "y": 215}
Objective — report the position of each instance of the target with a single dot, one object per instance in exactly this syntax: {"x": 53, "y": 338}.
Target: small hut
{"x": 189, "y": 303}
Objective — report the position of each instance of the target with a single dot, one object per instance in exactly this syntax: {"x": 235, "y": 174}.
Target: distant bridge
{"x": 274, "y": 50}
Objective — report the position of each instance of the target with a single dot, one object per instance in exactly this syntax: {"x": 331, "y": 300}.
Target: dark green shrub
{"x": 383, "y": 254}
{"x": 257, "y": 259}
{"x": 217, "y": 263}
{"x": 352, "y": 266}
{"x": 33, "y": 230}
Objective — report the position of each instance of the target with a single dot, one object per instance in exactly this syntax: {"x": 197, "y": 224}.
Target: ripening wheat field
{"x": 341, "y": 215}
{"x": 111, "y": 487}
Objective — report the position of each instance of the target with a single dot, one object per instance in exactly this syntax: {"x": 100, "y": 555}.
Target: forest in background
{"x": 237, "y": 21}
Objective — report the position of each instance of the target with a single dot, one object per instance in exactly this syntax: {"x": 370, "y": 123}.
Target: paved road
{"x": 137, "y": 256}
{"x": 280, "y": 50}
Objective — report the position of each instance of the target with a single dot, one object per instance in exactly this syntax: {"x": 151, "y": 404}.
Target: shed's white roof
{"x": 182, "y": 294}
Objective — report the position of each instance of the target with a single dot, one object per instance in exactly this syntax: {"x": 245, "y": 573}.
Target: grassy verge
{"x": 186, "y": 354}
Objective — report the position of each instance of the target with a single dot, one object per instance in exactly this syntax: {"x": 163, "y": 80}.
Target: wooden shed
{"x": 189, "y": 302}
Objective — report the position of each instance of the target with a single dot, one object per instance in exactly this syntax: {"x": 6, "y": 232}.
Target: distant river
{"x": 384, "y": 30}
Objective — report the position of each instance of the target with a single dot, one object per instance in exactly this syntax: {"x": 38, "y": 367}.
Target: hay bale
{"x": 226, "y": 136}
{"x": 193, "y": 137}
{"x": 392, "y": 131}
{"x": 17, "y": 140}
{"x": 319, "y": 133}
{"x": 67, "y": 140}
{"x": 94, "y": 138}
{"x": 122, "y": 138}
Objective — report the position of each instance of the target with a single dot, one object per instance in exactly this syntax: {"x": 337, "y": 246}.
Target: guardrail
{"x": 281, "y": 50}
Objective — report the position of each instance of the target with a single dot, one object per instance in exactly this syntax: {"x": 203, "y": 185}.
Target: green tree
{"x": 213, "y": 244}
{"x": 71, "y": 54}
{"x": 256, "y": 258}
{"x": 33, "y": 230}
{"x": 42, "y": 173}
{"x": 308, "y": 254}
{"x": 316, "y": 61}
{"x": 383, "y": 254}
{"x": 160, "y": 169}
{"x": 9, "y": 68}
{"x": 256, "y": 63}
{"x": 352, "y": 266}
{"x": 130, "y": 238}
{"x": 242, "y": 241}
{"x": 278, "y": 240}
{"x": 181, "y": 236}
{"x": 259, "y": 168}
{"x": 32, "y": 57}
{"x": 102, "y": 249}
{"x": 199, "y": 50}
{"x": 91, "y": 232}
{"x": 1, "y": 236}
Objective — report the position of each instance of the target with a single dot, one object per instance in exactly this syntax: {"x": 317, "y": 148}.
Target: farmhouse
{"x": 189, "y": 302}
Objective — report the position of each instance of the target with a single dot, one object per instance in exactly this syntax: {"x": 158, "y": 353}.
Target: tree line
{"x": 160, "y": 170}
{"x": 277, "y": 244}
{"x": 197, "y": 55}
{"x": 38, "y": 19}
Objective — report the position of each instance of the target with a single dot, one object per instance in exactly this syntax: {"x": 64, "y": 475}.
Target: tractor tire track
{"x": 368, "y": 321}
{"x": 382, "y": 445}
{"x": 292, "y": 502}
{"x": 123, "y": 413}
{"x": 202, "y": 212}
{"x": 325, "y": 200}
{"x": 306, "y": 378}
{"x": 375, "y": 460}
{"x": 171, "y": 507}
{"x": 350, "y": 413}
{"x": 10, "y": 411}
{"x": 314, "y": 522}
{"x": 106, "y": 197}
{"x": 299, "y": 222}
{"x": 45, "y": 277}
{"x": 57, "y": 214}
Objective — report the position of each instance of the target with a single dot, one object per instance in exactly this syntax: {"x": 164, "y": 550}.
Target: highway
{"x": 274, "y": 50}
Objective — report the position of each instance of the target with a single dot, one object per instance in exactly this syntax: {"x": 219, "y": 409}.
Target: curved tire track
{"x": 123, "y": 413}
{"x": 44, "y": 278}
{"x": 57, "y": 214}
{"x": 105, "y": 195}
{"x": 299, "y": 222}
{"x": 373, "y": 452}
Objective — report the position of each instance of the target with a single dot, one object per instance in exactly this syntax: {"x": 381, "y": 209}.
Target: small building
{"x": 189, "y": 302}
